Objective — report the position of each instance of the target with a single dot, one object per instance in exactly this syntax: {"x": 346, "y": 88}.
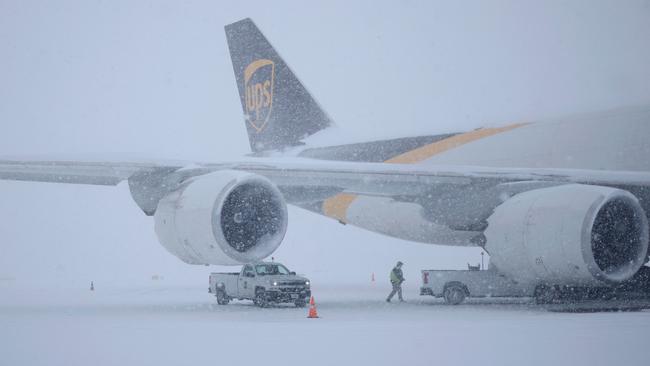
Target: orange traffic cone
{"x": 312, "y": 308}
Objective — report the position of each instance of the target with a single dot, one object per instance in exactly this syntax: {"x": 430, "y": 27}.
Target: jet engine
{"x": 225, "y": 217}
{"x": 569, "y": 235}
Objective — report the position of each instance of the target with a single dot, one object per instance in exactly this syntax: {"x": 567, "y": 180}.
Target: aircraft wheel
{"x": 545, "y": 294}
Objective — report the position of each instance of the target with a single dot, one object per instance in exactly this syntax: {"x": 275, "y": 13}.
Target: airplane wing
{"x": 380, "y": 179}
{"x": 386, "y": 179}
{"x": 77, "y": 172}
{"x": 304, "y": 180}
{"x": 363, "y": 178}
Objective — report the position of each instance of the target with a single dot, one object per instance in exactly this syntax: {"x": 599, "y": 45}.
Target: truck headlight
{"x": 306, "y": 283}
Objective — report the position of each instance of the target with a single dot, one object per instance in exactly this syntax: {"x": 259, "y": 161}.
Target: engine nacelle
{"x": 569, "y": 235}
{"x": 225, "y": 217}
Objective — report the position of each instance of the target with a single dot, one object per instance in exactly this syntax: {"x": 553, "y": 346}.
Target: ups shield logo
{"x": 258, "y": 85}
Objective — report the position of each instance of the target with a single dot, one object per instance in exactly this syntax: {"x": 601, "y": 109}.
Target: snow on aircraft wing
{"x": 389, "y": 179}
{"x": 77, "y": 172}
{"x": 376, "y": 179}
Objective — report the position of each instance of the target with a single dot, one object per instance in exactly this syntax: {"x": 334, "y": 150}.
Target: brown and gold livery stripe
{"x": 337, "y": 206}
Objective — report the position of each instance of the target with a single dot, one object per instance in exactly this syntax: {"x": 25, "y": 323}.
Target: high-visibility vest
{"x": 393, "y": 276}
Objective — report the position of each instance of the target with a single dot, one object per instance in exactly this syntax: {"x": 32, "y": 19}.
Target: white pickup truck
{"x": 455, "y": 285}
{"x": 264, "y": 283}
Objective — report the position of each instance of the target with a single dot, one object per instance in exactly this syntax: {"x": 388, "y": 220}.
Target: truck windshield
{"x": 271, "y": 269}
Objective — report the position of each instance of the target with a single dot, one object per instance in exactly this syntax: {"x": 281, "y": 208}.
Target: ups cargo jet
{"x": 561, "y": 202}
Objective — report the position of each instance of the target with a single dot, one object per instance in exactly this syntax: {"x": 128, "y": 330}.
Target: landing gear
{"x": 546, "y": 294}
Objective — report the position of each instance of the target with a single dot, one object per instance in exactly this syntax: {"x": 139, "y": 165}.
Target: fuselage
{"x": 614, "y": 141}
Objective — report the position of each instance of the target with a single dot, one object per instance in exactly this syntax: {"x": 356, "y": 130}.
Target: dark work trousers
{"x": 397, "y": 288}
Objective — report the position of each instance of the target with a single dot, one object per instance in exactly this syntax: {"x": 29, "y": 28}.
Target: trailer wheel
{"x": 222, "y": 298}
{"x": 454, "y": 294}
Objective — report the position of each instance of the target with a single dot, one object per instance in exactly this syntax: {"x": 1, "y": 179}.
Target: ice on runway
{"x": 165, "y": 325}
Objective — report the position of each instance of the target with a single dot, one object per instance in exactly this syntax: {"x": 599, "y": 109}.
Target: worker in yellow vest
{"x": 396, "y": 279}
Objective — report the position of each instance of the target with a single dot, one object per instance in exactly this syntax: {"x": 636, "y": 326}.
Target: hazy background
{"x": 153, "y": 78}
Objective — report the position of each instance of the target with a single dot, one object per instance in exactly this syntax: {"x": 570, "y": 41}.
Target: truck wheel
{"x": 222, "y": 299}
{"x": 545, "y": 294}
{"x": 301, "y": 303}
{"x": 454, "y": 294}
{"x": 260, "y": 299}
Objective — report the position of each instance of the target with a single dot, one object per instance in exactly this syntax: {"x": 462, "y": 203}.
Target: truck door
{"x": 246, "y": 285}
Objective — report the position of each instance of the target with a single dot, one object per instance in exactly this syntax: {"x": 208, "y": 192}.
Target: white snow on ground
{"x": 166, "y": 325}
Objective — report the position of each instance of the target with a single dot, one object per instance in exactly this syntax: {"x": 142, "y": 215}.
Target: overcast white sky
{"x": 153, "y": 78}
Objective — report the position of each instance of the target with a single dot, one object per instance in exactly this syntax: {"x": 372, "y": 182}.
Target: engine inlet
{"x": 617, "y": 236}
{"x": 249, "y": 215}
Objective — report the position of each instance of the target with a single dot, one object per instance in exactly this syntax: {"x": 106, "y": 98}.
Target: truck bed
{"x": 228, "y": 279}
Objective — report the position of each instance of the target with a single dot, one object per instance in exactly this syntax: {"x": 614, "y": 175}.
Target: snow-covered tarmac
{"x": 166, "y": 325}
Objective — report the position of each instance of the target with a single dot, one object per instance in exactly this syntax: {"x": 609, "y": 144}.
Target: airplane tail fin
{"x": 278, "y": 110}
